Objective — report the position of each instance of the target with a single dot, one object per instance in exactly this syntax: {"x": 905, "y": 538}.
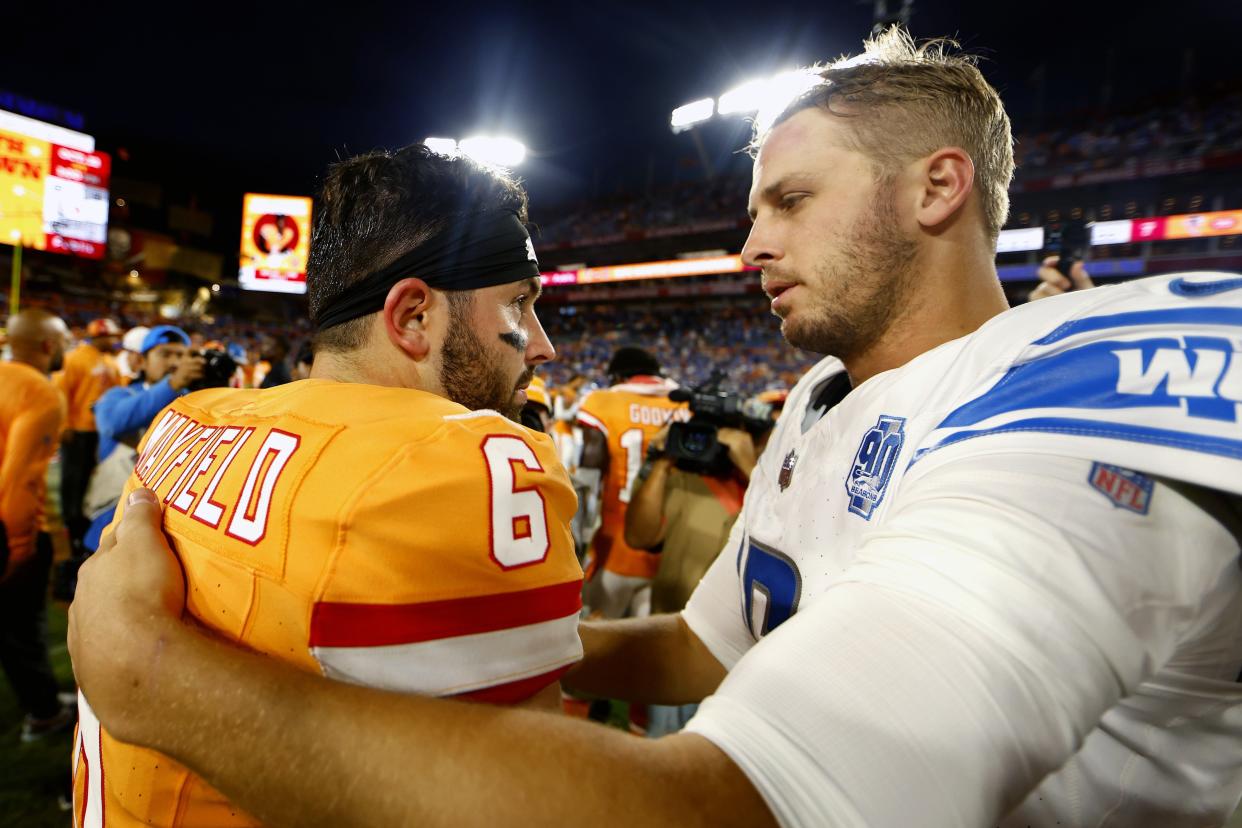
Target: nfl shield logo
{"x": 787, "y": 469}
{"x": 874, "y": 463}
{"x": 1126, "y": 489}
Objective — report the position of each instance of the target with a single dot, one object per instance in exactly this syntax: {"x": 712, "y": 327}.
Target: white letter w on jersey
{"x": 1209, "y": 384}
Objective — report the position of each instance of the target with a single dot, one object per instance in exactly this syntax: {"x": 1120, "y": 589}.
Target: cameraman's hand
{"x": 659, "y": 441}
{"x": 741, "y": 448}
{"x": 189, "y": 369}
{"x": 1052, "y": 282}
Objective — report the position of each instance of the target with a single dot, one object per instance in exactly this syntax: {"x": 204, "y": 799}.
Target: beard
{"x": 872, "y": 273}
{"x": 471, "y": 375}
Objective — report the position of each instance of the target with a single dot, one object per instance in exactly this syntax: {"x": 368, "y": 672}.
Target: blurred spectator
{"x": 1052, "y": 282}
{"x": 89, "y": 371}
{"x": 167, "y": 370}
{"x": 302, "y": 367}
{"x": 128, "y": 363}
{"x": 250, "y": 370}
{"x": 31, "y": 416}
{"x": 275, "y": 352}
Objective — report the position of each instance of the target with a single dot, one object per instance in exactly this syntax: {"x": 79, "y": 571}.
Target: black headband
{"x": 476, "y": 251}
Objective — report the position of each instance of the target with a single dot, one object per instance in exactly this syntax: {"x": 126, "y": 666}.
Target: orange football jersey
{"x": 628, "y": 415}
{"x": 380, "y": 536}
{"x": 31, "y": 415}
{"x": 88, "y": 372}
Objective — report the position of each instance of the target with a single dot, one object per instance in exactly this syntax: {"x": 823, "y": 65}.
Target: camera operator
{"x": 167, "y": 370}
{"x": 685, "y": 499}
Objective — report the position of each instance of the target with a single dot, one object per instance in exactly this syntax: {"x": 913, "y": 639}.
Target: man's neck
{"x": 948, "y": 301}
{"x": 364, "y": 368}
{"x": 39, "y": 366}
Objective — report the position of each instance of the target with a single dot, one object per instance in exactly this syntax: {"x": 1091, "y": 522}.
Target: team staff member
{"x": 617, "y": 423}
{"x": 90, "y": 369}
{"x": 31, "y": 415}
{"x": 387, "y": 521}
{"x": 986, "y": 571}
{"x": 685, "y": 517}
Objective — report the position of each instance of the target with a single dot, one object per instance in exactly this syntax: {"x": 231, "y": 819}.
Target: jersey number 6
{"x": 519, "y": 517}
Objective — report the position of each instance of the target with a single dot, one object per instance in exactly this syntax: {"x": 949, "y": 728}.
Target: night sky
{"x": 227, "y": 99}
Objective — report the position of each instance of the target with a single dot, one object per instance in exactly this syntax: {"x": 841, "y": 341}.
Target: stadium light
{"x": 498, "y": 150}
{"x": 782, "y": 90}
{"x": 695, "y": 112}
{"x": 444, "y": 146}
{"x": 767, "y": 97}
{"x": 748, "y": 97}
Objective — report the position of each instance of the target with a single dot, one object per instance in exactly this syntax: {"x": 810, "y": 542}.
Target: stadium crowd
{"x": 1159, "y": 133}
{"x": 1154, "y": 134}
{"x": 691, "y": 341}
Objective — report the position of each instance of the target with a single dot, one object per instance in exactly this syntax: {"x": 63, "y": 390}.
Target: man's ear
{"x": 405, "y": 316}
{"x": 948, "y": 178}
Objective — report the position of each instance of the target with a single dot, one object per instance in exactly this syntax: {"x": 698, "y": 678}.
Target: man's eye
{"x": 792, "y": 200}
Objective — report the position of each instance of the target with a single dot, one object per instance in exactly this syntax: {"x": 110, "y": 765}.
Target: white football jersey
{"x": 999, "y": 584}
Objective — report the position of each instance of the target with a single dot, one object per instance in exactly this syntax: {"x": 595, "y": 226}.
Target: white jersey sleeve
{"x": 978, "y": 639}
{"x": 712, "y": 612}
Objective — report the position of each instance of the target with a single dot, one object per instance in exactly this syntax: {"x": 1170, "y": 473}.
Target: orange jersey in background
{"x": 568, "y": 444}
{"x": 87, "y": 374}
{"x": 381, "y": 536}
{"x": 628, "y": 415}
{"x": 31, "y": 416}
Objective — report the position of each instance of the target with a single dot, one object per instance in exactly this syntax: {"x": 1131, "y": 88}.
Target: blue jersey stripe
{"x": 1221, "y": 446}
{"x": 1168, "y": 316}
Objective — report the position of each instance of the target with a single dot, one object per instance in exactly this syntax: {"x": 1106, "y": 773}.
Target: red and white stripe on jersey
{"x": 501, "y": 648}
{"x": 592, "y": 421}
{"x": 88, "y": 811}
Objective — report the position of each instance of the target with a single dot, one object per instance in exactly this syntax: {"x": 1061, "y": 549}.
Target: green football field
{"x": 33, "y": 775}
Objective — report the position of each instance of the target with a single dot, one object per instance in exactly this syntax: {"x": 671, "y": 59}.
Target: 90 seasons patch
{"x": 874, "y": 463}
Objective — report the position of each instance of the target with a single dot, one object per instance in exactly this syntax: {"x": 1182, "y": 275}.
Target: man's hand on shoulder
{"x": 126, "y": 611}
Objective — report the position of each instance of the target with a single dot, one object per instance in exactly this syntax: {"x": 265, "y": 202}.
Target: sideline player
{"x": 381, "y": 522}
{"x": 988, "y": 562}
{"x": 89, "y": 370}
{"x": 617, "y": 423}
{"x": 31, "y": 415}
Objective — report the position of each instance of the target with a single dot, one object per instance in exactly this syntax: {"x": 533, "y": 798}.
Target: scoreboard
{"x": 53, "y": 188}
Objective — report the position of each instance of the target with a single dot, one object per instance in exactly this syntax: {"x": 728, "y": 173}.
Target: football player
{"x": 617, "y": 423}
{"x": 385, "y": 522}
{"x": 986, "y": 572}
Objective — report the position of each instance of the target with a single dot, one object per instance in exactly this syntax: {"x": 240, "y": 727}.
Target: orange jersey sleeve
{"x": 31, "y": 415}
{"x": 628, "y": 416}
{"x": 380, "y": 536}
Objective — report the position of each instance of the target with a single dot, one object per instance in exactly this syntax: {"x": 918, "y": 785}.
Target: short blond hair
{"x": 906, "y": 100}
